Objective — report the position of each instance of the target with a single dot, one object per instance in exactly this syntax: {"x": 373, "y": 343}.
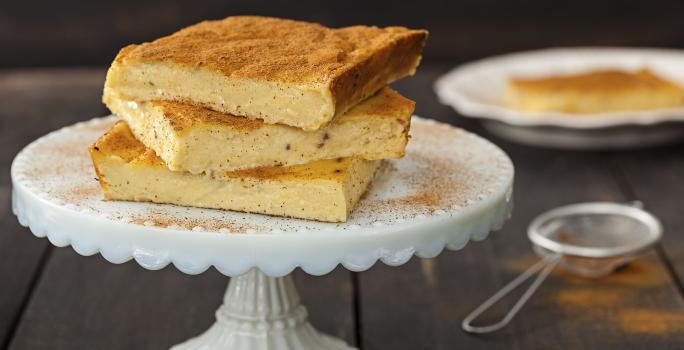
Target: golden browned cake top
{"x": 387, "y": 103}
{"x": 269, "y": 48}
{"x": 183, "y": 115}
{"x": 120, "y": 142}
{"x": 597, "y": 81}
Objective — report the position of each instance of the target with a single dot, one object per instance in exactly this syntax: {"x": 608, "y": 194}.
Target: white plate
{"x": 477, "y": 89}
{"x": 452, "y": 186}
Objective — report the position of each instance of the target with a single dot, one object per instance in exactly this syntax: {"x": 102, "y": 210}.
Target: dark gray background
{"x": 70, "y": 33}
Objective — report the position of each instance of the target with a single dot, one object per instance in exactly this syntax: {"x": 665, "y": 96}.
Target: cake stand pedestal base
{"x": 261, "y": 312}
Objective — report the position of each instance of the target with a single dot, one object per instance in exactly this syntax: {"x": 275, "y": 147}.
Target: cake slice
{"x": 325, "y": 190}
{"x": 281, "y": 71}
{"x": 594, "y": 92}
{"x": 196, "y": 139}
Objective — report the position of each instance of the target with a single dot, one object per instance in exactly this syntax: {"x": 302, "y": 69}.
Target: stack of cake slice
{"x": 257, "y": 114}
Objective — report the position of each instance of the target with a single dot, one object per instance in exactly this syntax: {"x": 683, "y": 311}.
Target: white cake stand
{"x": 452, "y": 186}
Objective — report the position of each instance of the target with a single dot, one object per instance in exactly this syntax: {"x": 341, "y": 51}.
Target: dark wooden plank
{"x": 86, "y": 302}
{"x": 20, "y": 259}
{"x": 32, "y": 104}
{"x": 656, "y": 177}
{"x": 420, "y": 305}
{"x": 329, "y": 300}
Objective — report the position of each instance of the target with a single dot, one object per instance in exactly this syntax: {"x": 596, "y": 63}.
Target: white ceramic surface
{"x": 608, "y": 138}
{"x": 261, "y": 312}
{"x": 452, "y": 186}
{"x": 477, "y": 89}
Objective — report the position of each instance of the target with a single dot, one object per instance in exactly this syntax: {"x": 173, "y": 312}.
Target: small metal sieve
{"x": 586, "y": 239}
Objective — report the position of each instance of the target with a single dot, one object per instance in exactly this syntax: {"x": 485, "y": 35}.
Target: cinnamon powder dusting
{"x": 622, "y": 299}
{"x": 626, "y": 300}
{"x": 275, "y": 49}
{"x": 437, "y": 173}
{"x": 91, "y": 191}
{"x": 650, "y": 321}
{"x": 160, "y": 219}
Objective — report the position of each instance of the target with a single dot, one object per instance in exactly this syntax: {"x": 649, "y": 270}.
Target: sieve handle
{"x": 544, "y": 265}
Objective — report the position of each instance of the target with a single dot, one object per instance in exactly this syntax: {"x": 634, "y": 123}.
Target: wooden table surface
{"x": 52, "y": 298}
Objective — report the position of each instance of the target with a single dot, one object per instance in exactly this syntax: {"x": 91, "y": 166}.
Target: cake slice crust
{"x": 324, "y": 190}
{"x": 282, "y": 71}
{"x": 594, "y": 92}
{"x": 198, "y": 140}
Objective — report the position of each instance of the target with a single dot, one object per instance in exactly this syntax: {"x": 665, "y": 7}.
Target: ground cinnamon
{"x": 650, "y": 321}
{"x": 620, "y": 299}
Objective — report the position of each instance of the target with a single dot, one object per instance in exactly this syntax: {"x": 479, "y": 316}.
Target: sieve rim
{"x": 655, "y": 229}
